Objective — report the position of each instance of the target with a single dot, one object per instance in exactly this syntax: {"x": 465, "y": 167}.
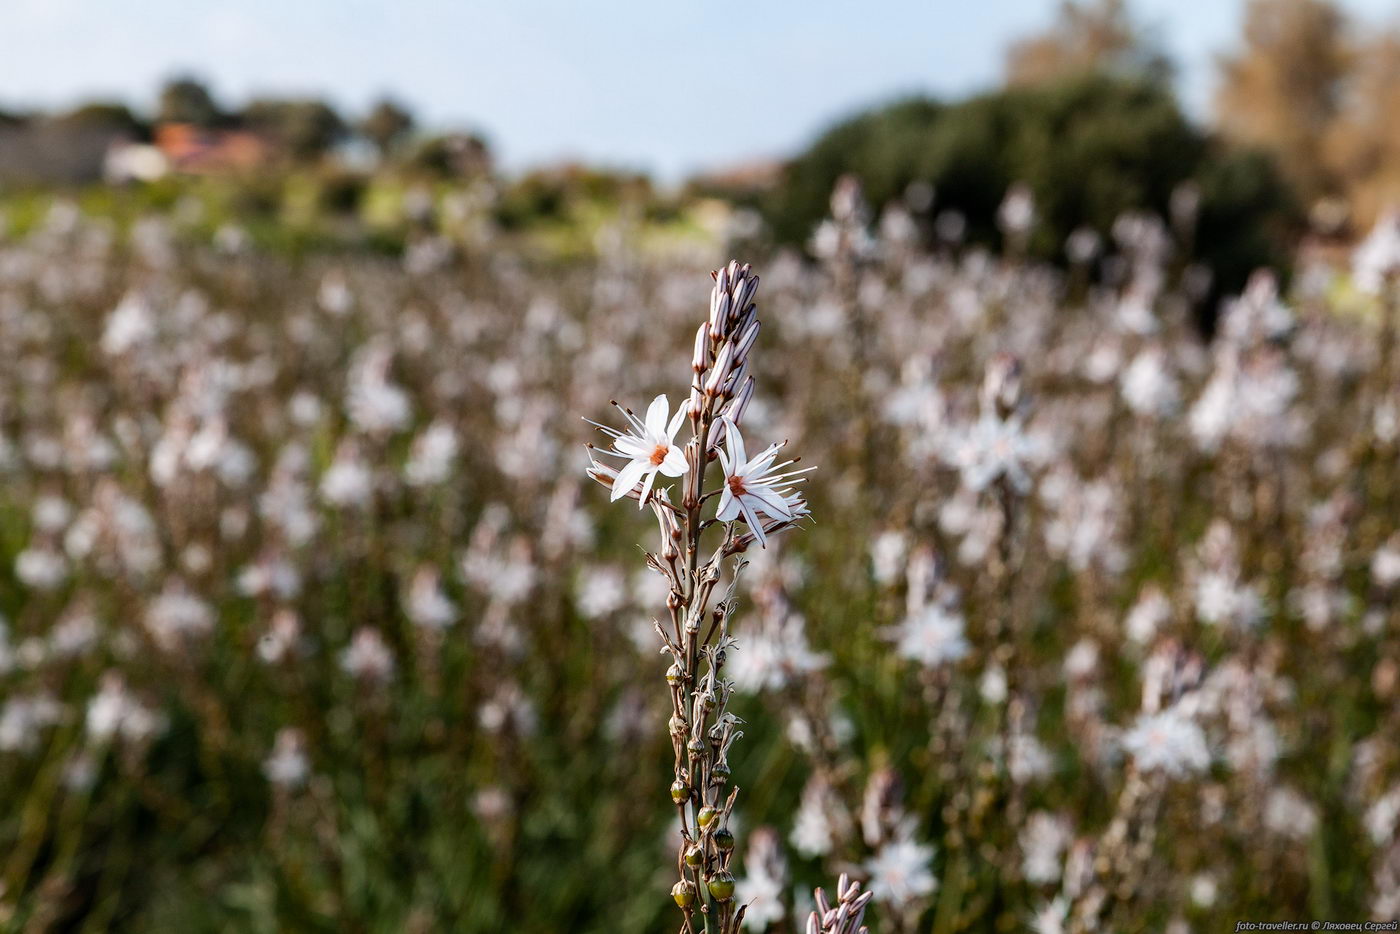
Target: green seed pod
{"x": 680, "y": 791}
{"x": 724, "y": 839}
{"x": 684, "y": 893}
{"x": 719, "y": 772}
{"x": 706, "y": 817}
{"x": 694, "y": 857}
{"x": 721, "y": 885}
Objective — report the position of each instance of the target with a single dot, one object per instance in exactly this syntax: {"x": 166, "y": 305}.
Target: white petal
{"x": 627, "y": 478}
{"x": 676, "y": 421}
{"x": 633, "y": 447}
{"x": 736, "y": 446}
{"x": 656, "y": 416}
{"x": 646, "y": 488}
{"x": 728, "y": 506}
{"x": 770, "y": 501}
{"x": 675, "y": 463}
{"x": 755, "y": 525}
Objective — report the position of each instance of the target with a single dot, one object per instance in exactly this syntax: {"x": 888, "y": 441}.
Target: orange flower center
{"x": 736, "y": 486}
{"x": 659, "y": 455}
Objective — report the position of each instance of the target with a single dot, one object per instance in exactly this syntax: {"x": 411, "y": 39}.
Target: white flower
{"x": 992, "y": 449}
{"x": 1052, "y": 918}
{"x": 1150, "y": 613}
{"x": 426, "y": 604}
{"x": 287, "y": 766}
{"x": 753, "y": 486}
{"x": 434, "y": 451}
{"x": 932, "y": 636}
{"x": 348, "y": 480}
{"x": 1169, "y": 741}
{"x": 773, "y": 654}
{"x": 1148, "y": 386}
{"x": 177, "y": 614}
{"x": 1288, "y": 813}
{"x": 813, "y": 830}
{"x": 1378, "y": 256}
{"x": 1385, "y": 565}
{"x": 649, "y": 447}
{"x": 899, "y": 871}
{"x": 1043, "y": 840}
{"x": 368, "y": 657}
{"x": 1383, "y": 816}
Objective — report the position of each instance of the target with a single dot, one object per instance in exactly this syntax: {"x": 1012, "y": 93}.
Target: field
{"x": 315, "y": 622}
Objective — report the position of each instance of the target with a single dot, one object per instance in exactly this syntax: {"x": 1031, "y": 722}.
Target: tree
{"x": 1089, "y": 37}
{"x": 1362, "y": 146}
{"x": 112, "y": 116}
{"x": 305, "y": 129}
{"x": 187, "y": 100}
{"x": 386, "y": 125}
{"x": 1088, "y": 150}
{"x": 1284, "y": 88}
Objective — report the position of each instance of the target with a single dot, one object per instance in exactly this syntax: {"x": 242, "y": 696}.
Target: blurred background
{"x": 311, "y": 621}
{"x": 318, "y": 116}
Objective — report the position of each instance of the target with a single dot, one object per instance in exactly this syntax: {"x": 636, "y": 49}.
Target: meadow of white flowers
{"x": 314, "y": 621}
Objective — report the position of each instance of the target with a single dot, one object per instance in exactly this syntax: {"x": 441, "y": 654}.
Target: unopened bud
{"x": 701, "y": 357}
{"x": 746, "y": 341}
{"x": 721, "y": 370}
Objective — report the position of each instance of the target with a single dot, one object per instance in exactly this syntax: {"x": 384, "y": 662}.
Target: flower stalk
{"x": 699, "y": 538}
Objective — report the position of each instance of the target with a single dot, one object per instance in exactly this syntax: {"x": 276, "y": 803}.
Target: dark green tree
{"x": 187, "y": 100}
{"x": 386, "y": 126}
{"x": 1088, "y": 149}
{"x": 306, "y": 129}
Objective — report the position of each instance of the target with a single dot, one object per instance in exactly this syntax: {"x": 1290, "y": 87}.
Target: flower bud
{"x": 684, "y": 893}
{"x": 721, "y": 370}
{"x": 746, "y": 341}
{"x": 721, "y": 885}
{"x": 701, "y": 358}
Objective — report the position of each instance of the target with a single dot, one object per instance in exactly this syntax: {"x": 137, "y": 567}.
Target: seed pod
{"x": 674, "y": 675}
{"x": 707, "y": 816}
{"x": 678, "y": 726}
{"x": 721, "y": 885}
{"x": 724, "y": 839}
{"x": 695, "y": 747}
{"x": 694, "y": 857}
{"x": 680, "y": 791}
{"x": 684, "y": 893}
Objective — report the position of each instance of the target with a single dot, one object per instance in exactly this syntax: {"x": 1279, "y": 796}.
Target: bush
{"x": 1089, "y": 149}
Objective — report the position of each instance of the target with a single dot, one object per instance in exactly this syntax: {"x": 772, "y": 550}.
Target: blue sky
{"x": 665, "y": 86}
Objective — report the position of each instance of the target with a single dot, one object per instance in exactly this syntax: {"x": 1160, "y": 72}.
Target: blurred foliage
{"x": 1093, "y": 37}
{"x": 1318, "y": 90}
{"x": 1089, "y": 149}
